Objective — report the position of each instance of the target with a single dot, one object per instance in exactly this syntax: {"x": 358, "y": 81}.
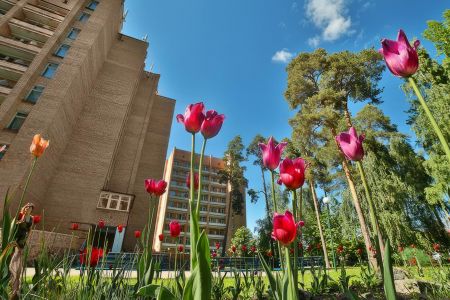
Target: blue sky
{"x": 232, "y": 56}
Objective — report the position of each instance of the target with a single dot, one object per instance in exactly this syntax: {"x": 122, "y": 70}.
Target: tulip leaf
{"x": 272, "y": 280}
{"x": 389, "y": 286}
{"x": 149, "y": 290}
{"x": 194, "y": 227}
{"x": 165, "y": 294}
{"x": 199, "y": 284}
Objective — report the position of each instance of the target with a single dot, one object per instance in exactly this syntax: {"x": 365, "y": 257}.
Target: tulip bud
{"x": 175, "y": 229}
{"x": 271, "y": 154}
{"x": 351, "y": 144}
{"x": 193, "y": 117}
{"x": 400, "y": 57}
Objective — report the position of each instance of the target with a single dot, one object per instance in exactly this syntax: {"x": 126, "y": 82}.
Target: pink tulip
{"x": 271, "y": 153}
{"x": 193, "y": 117}
{"x": 188, "y": 181}
{"x": 175, "y": 229}
{"x": 155, "y": 187}
{"x": 212, "y": 124}
{"x": 400, "y": 57}
{"x": 292, "y": 173}
{"x": 284, "y": 228}
{"x": 351, "y": 144}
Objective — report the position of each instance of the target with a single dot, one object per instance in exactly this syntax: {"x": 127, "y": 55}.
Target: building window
{"x": 92, "y": 5}
{"x": 62, "y": 50}
{"x": 73, "y": 33}
{"x": 17, "y": 121}
{"x": 3, "y": 148}
{"x": 34, "y": 94}
{"x": 114, "y": 201}
{"x": 84, "y": 17}
{"x": 50, "y": 70}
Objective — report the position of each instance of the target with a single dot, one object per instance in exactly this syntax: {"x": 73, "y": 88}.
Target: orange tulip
{"x": 38, "y": 146}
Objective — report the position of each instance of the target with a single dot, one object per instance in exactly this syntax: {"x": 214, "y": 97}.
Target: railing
{"x": 166, "y": 262}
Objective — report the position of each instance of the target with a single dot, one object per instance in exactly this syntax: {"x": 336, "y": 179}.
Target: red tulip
{"x": 36, "y": 219}
{"x": 351, "y": 144}
{"x": 359, "y": 252}
{"x": 318, "y": 246}
{"x": 137, "y": 234}
{"x": 301, "y": 223}
{"x": 284, "y": 228}
{"x": 244, "y": 248}
{"x": 74, "y": 226}
{"x": 193, "y": 117}
{"x": 180, "y": 248}
{"x": 253, "y": 249}
{"x": 292, "y": 173}
{"x": 96, "y": 254}
{"x": 38, "y": 145}
{"x": 161, "y": 237}
{"x": 120, "y": 228}
{"x": 271, "y": 153}
{"x": 340, "y": 249}
{"x": 217, "y": 245}
{"x": 101, "y": 224}
{"x": 436, "y": 247}
{"x": 214, "y": 254}
{"x": 211, "y": 124}
{"x": 155, "y": 187}
{"x": 233, "y": 248}
{"x": 175, "y": 229}
{"x": 188, "y": 181}
{"x": 401, "y": 59}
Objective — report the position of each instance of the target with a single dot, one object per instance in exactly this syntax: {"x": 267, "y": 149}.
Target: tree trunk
{"x": 357, "y": 204}
{"x": 316, "y": 208}
{"x": 229, "y": 212}
{"x": 348, "y": 119}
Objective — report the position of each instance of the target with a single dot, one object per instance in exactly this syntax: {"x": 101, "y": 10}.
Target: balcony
{"x": 19, "y": 49}
{"x": 6, "y": 5}
{"x": 10, "y": 70}
{"x": 42, "y": 17}
{"x": 57, "y": 7}
{"x": 114, "y": 201}
{"x": 29, "y": 32}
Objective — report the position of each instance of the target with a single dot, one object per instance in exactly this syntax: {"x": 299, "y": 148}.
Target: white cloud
{"x": 314, "y": 41}
{"x": 282, "y": 56}
{"x": 330, "y": 17}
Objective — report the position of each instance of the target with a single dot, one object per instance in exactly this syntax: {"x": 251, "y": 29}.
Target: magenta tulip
{"x": 351, "y": 144}
{"x": 284, "y": 228}
{"x": 271, "y": 153}
{"x": 211, "y": 124}
{"x": 292, "y": 173}
{"x": 175, "y": 229}
{"x": 401, "y": 58}
{"x": 155, "y": 187}
{"x": 188, "y": 181}
{"x": 193, "y": 117}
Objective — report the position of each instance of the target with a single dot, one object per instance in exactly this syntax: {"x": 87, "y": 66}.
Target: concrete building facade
{"x": 68, "y": 73}
{"x": 215, "y": 209}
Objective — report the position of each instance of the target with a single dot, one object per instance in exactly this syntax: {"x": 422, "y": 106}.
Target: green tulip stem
{"x": 435, "y": 126}
{"x": 373, "y": 214}
{"x": 200, "y": 169}
{"x": 33, "y": 164}
{"x": 275, "y": 209}
{"x": 192, "y": 223}
{"x": 294, "y": 206}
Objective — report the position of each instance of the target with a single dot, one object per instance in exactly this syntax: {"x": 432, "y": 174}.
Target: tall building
{"x": 215, "y": 203}
{"x": 68, "y": 73}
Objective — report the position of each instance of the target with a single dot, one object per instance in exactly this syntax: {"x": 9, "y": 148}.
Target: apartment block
{"x": 68, "y": 73}
{"x": 216, "y": 215}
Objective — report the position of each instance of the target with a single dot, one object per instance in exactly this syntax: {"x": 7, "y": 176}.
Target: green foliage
{"x": 320, "y": 280}
{"x": 243, "y": 236}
